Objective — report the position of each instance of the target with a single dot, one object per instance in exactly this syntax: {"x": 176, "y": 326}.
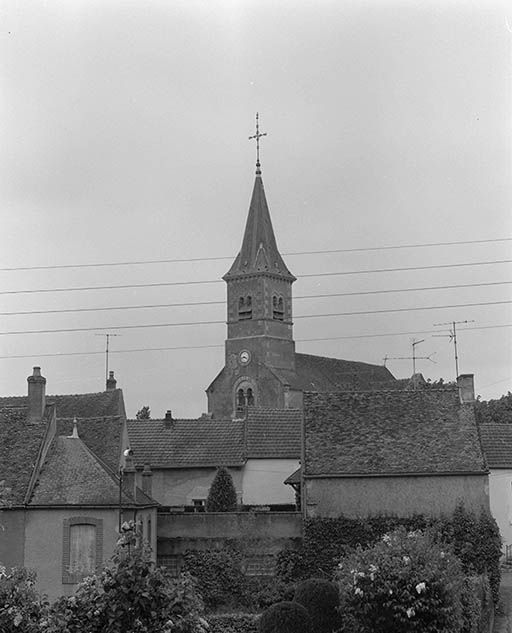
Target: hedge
{"x": 233, "y": 623}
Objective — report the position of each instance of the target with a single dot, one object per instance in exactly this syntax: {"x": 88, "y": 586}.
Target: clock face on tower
{"x": 244, "y": 357}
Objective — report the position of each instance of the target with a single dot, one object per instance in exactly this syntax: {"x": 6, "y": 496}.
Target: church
{"x": 262, "y": 368}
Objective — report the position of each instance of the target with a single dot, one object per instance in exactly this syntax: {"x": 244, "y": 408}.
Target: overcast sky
{"x": 124, "y": 130}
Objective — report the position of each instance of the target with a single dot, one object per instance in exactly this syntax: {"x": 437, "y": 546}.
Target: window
{"x": 244, "y": 398}
{"x": 82, "y": 548}
{"x": 199, "y": 505}
{"x": 245, "y": 308}
{"x": 277, "y": 308}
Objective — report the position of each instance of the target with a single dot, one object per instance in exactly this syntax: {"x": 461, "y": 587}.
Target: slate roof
{"x": 103, "y": 436}
{"x": 83, "y": 405}
{"x": 274, "y": 433}
{"x": 497, "y": 444}
{"x": 390, "y": 432}
{"x": 72, "y": 475}
{"x": 187, "y": 443}
{"x": 19, "y": 450}
{"x": 259, "y": 252}
{"x": 319, "y": 373}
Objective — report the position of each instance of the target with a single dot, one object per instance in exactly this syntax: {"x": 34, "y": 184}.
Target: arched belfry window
{"x": 244, "y": 396}
{"x": 245, "y": 308}
{"x": 277, "y": 308}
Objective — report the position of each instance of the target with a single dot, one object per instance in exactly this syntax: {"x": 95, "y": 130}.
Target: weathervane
{"x": 257, "y": 136}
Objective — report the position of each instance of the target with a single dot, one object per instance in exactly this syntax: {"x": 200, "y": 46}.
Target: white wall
{"x": 262, "y": 481}
{"x": 500, "y": 492}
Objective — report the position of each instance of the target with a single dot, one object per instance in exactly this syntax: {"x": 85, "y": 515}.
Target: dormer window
{"x": 277, "y": 308}
{"x": 245, "y": 308}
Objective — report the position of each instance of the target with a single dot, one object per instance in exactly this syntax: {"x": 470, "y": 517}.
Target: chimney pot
{"x": 466, "y": 385}
{"x": 36, "y": 395}
{"x": 168, "y": 415}
{"x": 111, "y": 381}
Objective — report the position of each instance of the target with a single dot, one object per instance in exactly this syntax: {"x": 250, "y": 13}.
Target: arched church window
{"x": 245, "y": 308}
{"x": 240, "y": 399}
{"x": 277, "y": 308}
{"x": 250, "y": 398}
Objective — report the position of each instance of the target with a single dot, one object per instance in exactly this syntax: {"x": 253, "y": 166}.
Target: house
{"x": 64, "y": 500}
{"x": 497, "y": 446}
{"x": 260, "y": 450}
{"x": 392, "y": 452}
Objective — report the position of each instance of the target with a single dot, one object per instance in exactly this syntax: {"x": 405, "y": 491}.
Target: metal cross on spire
{"x": 257, "y": 136}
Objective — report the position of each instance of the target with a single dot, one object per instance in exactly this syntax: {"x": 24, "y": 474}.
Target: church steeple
{"x": 259, "y": 252}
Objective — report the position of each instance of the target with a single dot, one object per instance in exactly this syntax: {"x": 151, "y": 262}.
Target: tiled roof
{"x": 390, "y": 432}
{"x": 497, "y": 444}
{"x": 187, "y": 443}
{"x": 318, "y": 373}
{"x": 294, "y": 478}
{"x": 72, "y": 475}
{"x": 19, "y": 449}
{"x": 103, "y": 436}
{"x": 83, "y": 405}
{"x": 274, "y": 433}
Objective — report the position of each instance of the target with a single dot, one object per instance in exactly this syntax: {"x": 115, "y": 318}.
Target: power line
{"x": 194, "y": 347}
{"x": 301, "y": 316}
{"x": 215, "y": 281}
{"x": 203, "y": 303}
{"x": 225, "y": 257}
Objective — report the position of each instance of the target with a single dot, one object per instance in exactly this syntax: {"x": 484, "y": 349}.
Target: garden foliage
{"x": 405, "y": 582}
{"x": 321, "y": 600}
{"x": 233, "y": 623}
{"x": 285, "y": 617}
{"x": 222, "y": 494}
{"x": 21, "y": 608}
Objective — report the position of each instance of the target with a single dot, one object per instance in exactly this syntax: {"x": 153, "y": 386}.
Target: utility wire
{"x": 224, "y": 257}
{"x": 223, "y": 322}
{"x": 203, "y": 303}
{"x": 215, "y": 281}
{"x": 303, "y": 340}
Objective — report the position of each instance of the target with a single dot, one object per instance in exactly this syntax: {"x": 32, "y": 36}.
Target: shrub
{"x": 320, "y": 598}
{"x": 406, "y": 582}
{"x": 233, "y": 623}
{"x": 219, "y": 576}
{"x": 264, "y": 592}
{"x": 222, "y": 494}
{"x": 21, "y": 608}
{"x": 285, "y": 617}
{"x": 129, "y": 595}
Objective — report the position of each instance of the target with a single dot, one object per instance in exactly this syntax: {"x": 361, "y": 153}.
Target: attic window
{"x": 277, "y": 308}
{"x": 245, "y": 308}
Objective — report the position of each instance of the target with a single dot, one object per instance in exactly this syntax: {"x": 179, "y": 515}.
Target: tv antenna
{"x": 414, "y": 358}
{"x": 452, "y": 335}
{"x": 107, "y": 335}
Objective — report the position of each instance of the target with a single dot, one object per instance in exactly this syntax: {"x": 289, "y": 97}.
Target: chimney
{"x": 466, "y": 385}
{"x": 111, "y": 381}
{"x": 36, "y": 396}
{"x": 147, "y": 480}
{"x": 168, "y": 419}
{"x": 129, "y": 473}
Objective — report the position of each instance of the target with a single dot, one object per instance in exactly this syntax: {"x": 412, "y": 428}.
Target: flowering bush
{"x": 406, "y": 582}
{"x": 20, "y": 606}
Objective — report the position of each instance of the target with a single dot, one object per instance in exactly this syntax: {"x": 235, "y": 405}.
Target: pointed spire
{"x": 259, "y": 252}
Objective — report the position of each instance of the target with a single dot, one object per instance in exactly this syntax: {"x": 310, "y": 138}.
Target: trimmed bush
{"x": 233, "y": 623}
{"x": 222, "y": 494}
{"x": 321, "y": 599}
{"x": 285, "y": 617}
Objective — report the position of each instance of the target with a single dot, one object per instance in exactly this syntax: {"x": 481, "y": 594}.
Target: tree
{"x": 495, "y": 411}
{"x": 144, "y": 413}
{"x": 222, "y": 495}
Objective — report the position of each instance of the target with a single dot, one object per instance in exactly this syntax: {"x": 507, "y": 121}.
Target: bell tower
{"x": 259, "y": 312}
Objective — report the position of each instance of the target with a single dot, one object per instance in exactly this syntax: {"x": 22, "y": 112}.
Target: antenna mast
{"x": 107, "y": 335}
{"x": 453, "y": 337}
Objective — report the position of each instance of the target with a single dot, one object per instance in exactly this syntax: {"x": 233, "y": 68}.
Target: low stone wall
{"x": 261, "y": 534}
